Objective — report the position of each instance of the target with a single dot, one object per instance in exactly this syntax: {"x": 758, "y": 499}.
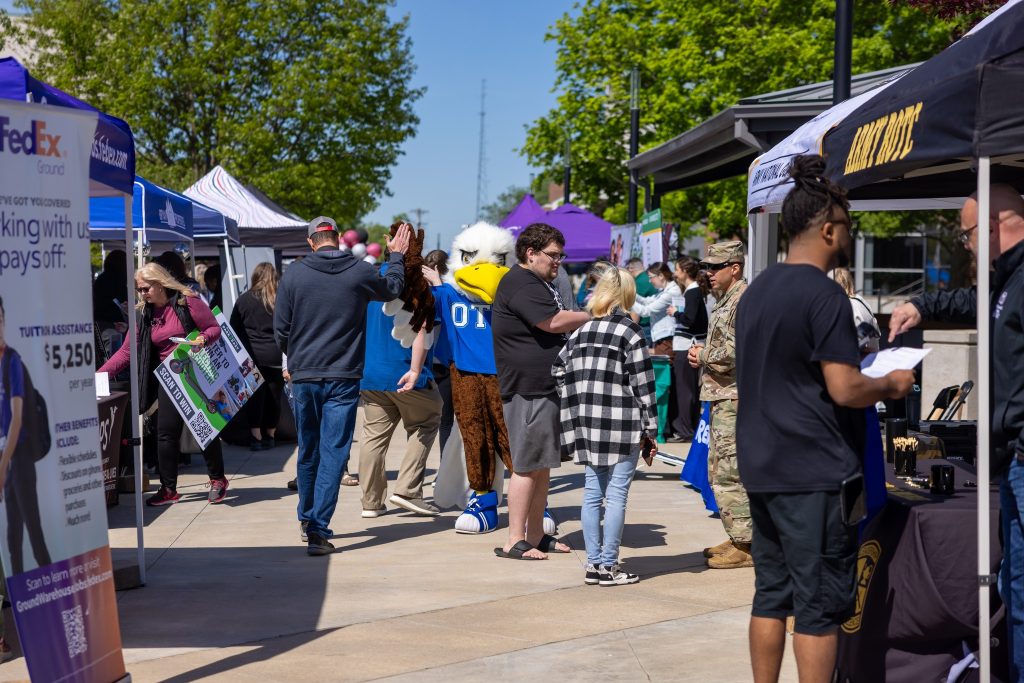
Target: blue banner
{"x": 695, "y": 471}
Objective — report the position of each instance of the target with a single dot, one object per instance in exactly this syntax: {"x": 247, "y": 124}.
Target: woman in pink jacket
{"x": 169, "y": 309}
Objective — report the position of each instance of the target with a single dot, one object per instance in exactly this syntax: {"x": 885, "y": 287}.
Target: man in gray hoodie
{"x": 320, "y": 322}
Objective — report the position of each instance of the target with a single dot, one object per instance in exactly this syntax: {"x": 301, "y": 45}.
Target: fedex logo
{"x": 33, "y": 142}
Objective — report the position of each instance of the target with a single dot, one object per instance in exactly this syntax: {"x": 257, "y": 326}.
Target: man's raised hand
{"x": 399, "y": 244}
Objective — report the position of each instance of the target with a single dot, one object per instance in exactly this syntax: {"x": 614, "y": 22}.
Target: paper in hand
{"x": 102, "y": 385}
{"x": 901, "y": 358}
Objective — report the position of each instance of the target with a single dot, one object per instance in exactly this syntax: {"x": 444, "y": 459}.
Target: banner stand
{"x": 134, "y": 390}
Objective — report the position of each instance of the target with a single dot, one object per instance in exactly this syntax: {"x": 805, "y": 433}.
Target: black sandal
{"x": 517, "y": 552}
{"x": 549, "y": 544}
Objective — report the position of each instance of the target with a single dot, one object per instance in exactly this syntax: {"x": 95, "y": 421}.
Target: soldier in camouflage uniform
{"x": 724, "y": 263}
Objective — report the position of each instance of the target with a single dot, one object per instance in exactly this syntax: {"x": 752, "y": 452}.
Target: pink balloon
{"x": 374, "y": 249}
{"x": 350, "y": 237}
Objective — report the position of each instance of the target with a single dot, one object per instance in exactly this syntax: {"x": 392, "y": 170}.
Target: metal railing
{"x": 905, "y": 292}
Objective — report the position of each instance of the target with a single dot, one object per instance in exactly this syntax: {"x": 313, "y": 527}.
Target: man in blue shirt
{"x": 398, "y": 386}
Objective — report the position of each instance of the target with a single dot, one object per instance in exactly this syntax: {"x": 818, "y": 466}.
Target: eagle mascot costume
{"x": 480, "y": 256}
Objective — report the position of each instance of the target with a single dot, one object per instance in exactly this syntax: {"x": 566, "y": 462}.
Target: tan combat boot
{"x": 720, "y": 549}
{"x": 738, "y": 557}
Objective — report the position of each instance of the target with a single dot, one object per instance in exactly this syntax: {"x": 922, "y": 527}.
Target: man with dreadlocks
{"x": 800, "y": 430}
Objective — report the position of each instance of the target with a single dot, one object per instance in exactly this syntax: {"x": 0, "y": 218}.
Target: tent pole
{"x": 232, "y": 285}
{"x": 134, "y": 387}
{"x": 985, "y": 578}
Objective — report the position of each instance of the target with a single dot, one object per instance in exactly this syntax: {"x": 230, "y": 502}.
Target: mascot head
{"x": 480, "y": 256}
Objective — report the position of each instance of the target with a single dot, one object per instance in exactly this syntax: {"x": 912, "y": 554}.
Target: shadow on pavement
{"x": 263, "y": 652}
{"x": 657, "y": 565}
{"x": 218, "y": 597}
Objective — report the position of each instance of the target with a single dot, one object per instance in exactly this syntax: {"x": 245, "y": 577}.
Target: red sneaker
{"x": 164, "y": 496}
{"x": 218, "y": 489}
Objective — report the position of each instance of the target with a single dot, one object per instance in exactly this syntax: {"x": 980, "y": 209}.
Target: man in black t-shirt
{"x": 800, "y": 430}
{"x": 530, "y": 322}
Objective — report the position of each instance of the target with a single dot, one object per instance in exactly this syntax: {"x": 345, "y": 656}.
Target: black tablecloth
{"x": 917, "y": 600}
{"x": 111, "y": 411}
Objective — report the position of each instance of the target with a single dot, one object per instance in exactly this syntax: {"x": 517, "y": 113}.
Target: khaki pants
{"x": 420, "y": 411}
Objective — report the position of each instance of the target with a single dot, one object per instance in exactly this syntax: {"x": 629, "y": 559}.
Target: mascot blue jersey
{"x": 467, "y": 324}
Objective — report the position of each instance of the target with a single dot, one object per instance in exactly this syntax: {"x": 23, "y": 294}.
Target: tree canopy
{"x": 494, "y": 212}
{"x": 309, "y": 100}
{"x": 696, "y": 58}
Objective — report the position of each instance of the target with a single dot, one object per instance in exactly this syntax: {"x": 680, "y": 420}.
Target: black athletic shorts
{"x": 805, "y": 559}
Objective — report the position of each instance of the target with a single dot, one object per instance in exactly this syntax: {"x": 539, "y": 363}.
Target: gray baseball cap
{"x": 319, "y": 224}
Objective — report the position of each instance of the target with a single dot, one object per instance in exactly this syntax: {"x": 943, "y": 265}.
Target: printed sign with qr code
{"x": 74, "y": 631}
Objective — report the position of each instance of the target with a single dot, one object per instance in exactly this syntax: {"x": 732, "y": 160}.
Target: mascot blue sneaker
{"x": 480, "y": 515}
{"x": 550, "y": 523}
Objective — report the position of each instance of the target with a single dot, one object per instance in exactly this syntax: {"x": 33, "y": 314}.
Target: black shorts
{"x": 805, "y": 560}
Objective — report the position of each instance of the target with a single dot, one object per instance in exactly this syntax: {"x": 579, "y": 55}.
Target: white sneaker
{"x": 370, "y": 514}
{"x": 614, "y": 576}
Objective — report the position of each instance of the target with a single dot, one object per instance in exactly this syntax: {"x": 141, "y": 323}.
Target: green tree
{"x": 309, "y": 100}
{"x": 497, "y": 210}
{"x": 696, "y": 58}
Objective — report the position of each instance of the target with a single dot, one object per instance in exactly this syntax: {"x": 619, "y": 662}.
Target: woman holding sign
{"x": 169, "y": 310}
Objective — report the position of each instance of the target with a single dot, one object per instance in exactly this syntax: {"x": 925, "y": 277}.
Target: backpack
{"x": 34, "y": 416}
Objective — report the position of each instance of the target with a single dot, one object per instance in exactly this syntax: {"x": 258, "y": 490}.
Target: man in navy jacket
{"x": 320, "y": 322}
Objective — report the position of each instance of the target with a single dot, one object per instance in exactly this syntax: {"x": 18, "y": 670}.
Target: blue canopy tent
{"x": 111, "y": 174}
{"x": 158, "y": 215}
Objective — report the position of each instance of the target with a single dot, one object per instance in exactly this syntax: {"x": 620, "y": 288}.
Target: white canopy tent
{"x": 259, "y": 225}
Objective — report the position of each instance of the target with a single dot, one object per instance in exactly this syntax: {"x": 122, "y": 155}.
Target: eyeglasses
{"x": 557, "y": 257}
{"x": 142, "y": 290}
{"x": 715, "y": 267}
{"x": 965, "y": 235}
{"x": 851, "y": 225}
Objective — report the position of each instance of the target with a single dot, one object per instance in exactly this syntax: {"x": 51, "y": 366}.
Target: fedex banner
{"x": 53, "y": 519}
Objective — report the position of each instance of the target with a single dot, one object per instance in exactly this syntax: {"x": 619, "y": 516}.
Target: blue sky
{"x": 455, "y": 45}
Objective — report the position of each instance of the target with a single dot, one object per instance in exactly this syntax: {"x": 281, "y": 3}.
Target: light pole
{"x": 634, "y": 139}
{"x": 567, "y": 166}
{"x": 841, "y": 61}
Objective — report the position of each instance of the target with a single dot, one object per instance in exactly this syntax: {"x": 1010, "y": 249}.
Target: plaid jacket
{"x": 606, "y": 383}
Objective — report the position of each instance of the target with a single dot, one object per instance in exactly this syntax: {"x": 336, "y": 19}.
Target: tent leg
{"x": 985, "y": 579}
{"x": 134, "y": 389}
{"x": 229, "y": 263}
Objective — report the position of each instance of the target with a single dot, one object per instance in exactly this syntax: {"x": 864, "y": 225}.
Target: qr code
{"x": 201, "y": 428}
{"x": 74, "y": 631}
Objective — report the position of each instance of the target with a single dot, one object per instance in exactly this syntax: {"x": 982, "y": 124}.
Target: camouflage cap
{"x": 724, "y": 252}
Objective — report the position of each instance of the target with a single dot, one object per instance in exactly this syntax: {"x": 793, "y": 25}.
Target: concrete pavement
{"x": 231, "y": 593}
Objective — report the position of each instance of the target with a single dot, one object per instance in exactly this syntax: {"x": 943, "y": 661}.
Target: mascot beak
{"x": 481, "y": 280}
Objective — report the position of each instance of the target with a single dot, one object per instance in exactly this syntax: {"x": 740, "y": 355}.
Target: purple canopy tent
{"x": 586, "y": 236}
{"x": 527, "y": 211}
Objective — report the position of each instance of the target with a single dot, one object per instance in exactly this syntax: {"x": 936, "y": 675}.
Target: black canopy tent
{"x": 952, "y": 126}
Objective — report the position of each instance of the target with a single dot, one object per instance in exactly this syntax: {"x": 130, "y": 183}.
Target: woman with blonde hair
{"x": 253, "y": 321}
{"x": 609, "y": 414}
{"x": 868, "y": 333}
{"x": 169, "y": 309}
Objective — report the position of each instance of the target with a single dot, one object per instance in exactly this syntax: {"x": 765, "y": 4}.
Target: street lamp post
{"x": 634, "y": 139}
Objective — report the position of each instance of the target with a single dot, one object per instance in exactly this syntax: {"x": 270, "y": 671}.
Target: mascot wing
{"x": 414, "y": 308}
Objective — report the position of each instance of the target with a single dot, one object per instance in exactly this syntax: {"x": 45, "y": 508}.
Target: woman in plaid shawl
{"x": 609, "y": 412}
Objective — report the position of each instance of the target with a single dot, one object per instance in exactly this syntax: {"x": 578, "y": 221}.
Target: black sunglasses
{"x": 715, "y": 267}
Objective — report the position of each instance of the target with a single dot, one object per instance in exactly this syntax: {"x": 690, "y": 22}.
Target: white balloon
{"x": 370, "y": 259}
{"x": 359, "y": 250}
{"x": 342, "y": 247}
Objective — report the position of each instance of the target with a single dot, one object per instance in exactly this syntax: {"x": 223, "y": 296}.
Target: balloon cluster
{"x": 355, "y": 241}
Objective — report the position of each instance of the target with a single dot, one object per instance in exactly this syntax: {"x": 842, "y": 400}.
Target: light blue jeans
{"x": 607, "y": 484}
